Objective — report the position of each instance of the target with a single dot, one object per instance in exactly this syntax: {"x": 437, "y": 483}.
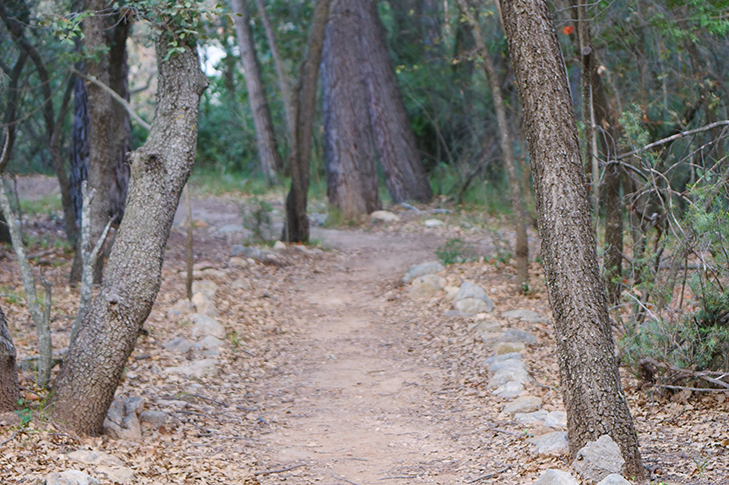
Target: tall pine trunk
{"x": 267, "y": 151}
{"x": 352, "y": 183}
{"x": 591, "y": 387}
{"x": 90, "y": 375}
{"x": 396, "y": 146}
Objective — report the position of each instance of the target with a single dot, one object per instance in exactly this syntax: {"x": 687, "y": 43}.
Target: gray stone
{"x": 175, "y": 403}
{"x": 526, "y": 404}
{"x": 554, "y": 444}
{"x": 178, "y": 344}
{"x": 556, "y": 420}
{"x": 508, "y": 371}
{"x": 509, "y": 390}
{"x": 525, "y": 316}
{"x": 614, "y": 479}
{"x": 210, "y": 273}
{"x": 535, "y": 418}
{"x": 451, "y": 292}
{"x": 279, "y": 246}
{"x": 384, "y": 216}
{"x": 70, "y": 477}
{"x": 598, "y": 459}
{"x": 516, "y": 335}
{"x": 508, "y": 347}
{"x": 94, "y": 458}
{"x": 503, "y": 357}
{"x": 422, "y": 269}
{"x": 204, "y": 306}
{"x": 426, "y": 286}
{"x": 211, "y": 342}
{"x": 154, "y": 419}
{"x": 241, "y": 284}
{"x": 121, "y": 475}
{"x": 199, "y": 369}
{"x": 472, "y": 306}
{"x": 556, "y": 477}
{"x": 237, "y": 262}
{"x": 229, "y": 229}
{"x": 472, "y": 290}
{"x": 433, "y": 223}
{"x": 204, "y": 325}
{"x": 121, "y": 421}
{"x": 180, "y": 309}
{"x": 206, "y": 287}
{"x": 134, "y": 405}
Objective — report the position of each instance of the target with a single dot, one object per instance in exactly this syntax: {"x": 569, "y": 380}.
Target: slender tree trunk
{"x": 591, "y": 387}
{"x": 9, "y": 387}
{"x": 89, "y": 377}
{"x": 512, "y": 174}
{"x": 79, "y": 164}
{"x": 297, "y": 222}
{"x": 267, "y": 150}
{"x": 284, "y": 81}
{"x": 396, "y": 146}
{"x": 349, "y": 149}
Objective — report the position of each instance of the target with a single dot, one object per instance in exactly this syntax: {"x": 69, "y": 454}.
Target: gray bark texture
{"x": 507, "y": 154}
{"x": 89, "y": 377}
{"x": 352, "y": 183}
{"x": 267, "y": 150}
{"x": 591, "y": 387}
{"x": 9, "y": 387}
{"x": 297, "y": 222}
{"x": 396, "y": 146}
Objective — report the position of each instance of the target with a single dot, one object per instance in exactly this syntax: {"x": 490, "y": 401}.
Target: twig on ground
{"x": 9, "y": 439}
{"x": 207, "y": 399}
{"x": 344, "y": 479}
{"x": 404, "y": 477}
{"x": 488, "y": 475}
{"x": 695, "y": 389}
{"x": 279, "y": 470}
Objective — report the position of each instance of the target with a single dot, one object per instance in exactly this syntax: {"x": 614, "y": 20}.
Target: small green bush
{"x": 455, "y": 251}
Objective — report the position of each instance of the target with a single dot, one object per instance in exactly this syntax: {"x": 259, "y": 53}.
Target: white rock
{"x": 121, "y": 475}
{"x": 471, "y": 290}
{"x": 516, "y": 335}
{"x": 384, "y": 216}
{"x": 554, "y": 444}
{"x": 199, "y": 368}
{"x": 180, "y": 309}
{"x": 70, "y": 477}
{"x": 472, "y": 306}
{"x": 503, "y": 357}
{"x": 509, "y": 390}
{"x": 426, "y": 286}
{"x": 94, "y": 458}
{"x": 531, "y": 419}
{"x": 204, "y": 325}
{"x": 238, "y": 262}
{"x": 556, "y": 477}
{"x": 526, "y": 404}
{"x": 155, "y": 419}
{"x": 451, "y": 292}
{"x": 210, "y": 273}
{"x": 431, "y": 267}
{"x": 614, "y": 479}
{"x": 279, "y": 246}
{"x": 241, "y": 284}
{"x": 524, "y": 316}
{"x": 598, "y": 459}
{"x": 433, "y": 223}
{"x": 211, "y": 342}
{"x": 502, "y": 348}
{"x": 556, "y": 420}
{"x": 206, "y": 287}
{"x": 204, "y": 305}
{"x": 178, "y": 344}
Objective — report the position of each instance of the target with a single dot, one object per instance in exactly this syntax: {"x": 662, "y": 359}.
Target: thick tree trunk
{"x": 9, "y": 387}
{"x": 349, "y": 149}
{"x": 404, "y": 171}
{"x": 512, "y": 174}
{"x": 267, "y": 150}
{"x": 283, "y": 78}
{"x": 297, "y": 222}
{"x": 591, "y": 387}
{"x": 89, "y": 377}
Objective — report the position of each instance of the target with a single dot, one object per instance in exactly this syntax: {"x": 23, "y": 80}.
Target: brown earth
{"x": 332, "y": 374}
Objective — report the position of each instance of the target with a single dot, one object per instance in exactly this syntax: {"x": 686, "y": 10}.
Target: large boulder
{"x": 472, "y": 299}
{"x": 426, "y": 286}
{"x": 422, "y": 269}
{"x": 556, "y": 477}
{"x": 598, "y": 459}
{"x": 554, "y": 444}
{"x": 614, "y": 479}
{"x": 122, "y": 419}
{"x": 206, "y": 287}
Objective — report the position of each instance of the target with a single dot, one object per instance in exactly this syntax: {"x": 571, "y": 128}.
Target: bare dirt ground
{"x": 332, "y": 374}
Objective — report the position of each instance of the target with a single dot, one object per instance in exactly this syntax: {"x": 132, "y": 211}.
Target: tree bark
{"x": 297, "y": 222}
{"x": 352, "y": 183}
{"x": 9, "y": 387}
{"x": 284, "y": 81}
{"x": 89, "y": 377}
{"x": 267, "y": 150}
{"x": 591, "y": 387}
{"x": 396, "y": 146}
{"x": 512, "y": 174}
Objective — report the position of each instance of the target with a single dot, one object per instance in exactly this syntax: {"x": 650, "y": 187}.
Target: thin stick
{"x": 675, "y": 137}
{"x": 209, "y": 400}
{"x": 280, "y": 470}
{"x": 9, "y": 439}
{"x": 404, "y": 477}
{"x": 695, "y": 389}
{"x": 344, "y": 479}
{"x": 489, "y": 475}
{"x": 188, "y": 245}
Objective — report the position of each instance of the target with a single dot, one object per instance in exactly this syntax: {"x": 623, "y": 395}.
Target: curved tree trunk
{"x": 9, "y": 387}
{"x": 512, "y": 174}
{"x": 591, "y": 387}
{"x": 349, "y": 150}
{"x": 267, "y": 151}
{"x": 89, "y": 377}
{"x": 404, "y": 171}
{"x": 297, "y": 222}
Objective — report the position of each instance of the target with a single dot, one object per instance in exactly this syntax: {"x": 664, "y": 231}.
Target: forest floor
{"x": 331, "y": 372}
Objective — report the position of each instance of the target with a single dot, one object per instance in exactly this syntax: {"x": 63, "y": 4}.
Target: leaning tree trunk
{"x": 9, "y": 387}
{"x": 349, "y": 149}
{"x": 89, "y": 377}
{"x": 512, "y": 174}
{"x": 296, "y": 228}
{"x": 591, "y": 387}
{"x": 404, "y": 171}
{"x": 267, "y": 150}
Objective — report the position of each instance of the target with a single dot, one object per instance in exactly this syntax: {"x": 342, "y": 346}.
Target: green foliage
{"x": 455, "y": 251}
{"x": 256, "y": 216}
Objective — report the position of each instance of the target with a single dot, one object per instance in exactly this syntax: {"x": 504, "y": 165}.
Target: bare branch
{"x": 675, "y": 137}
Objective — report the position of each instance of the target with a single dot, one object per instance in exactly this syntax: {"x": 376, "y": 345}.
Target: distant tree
{"x": 267, "y": 150}
{"x": 591, "y": 387}
{"x": 9, "y": 387}
{"x": 349, "y": 148}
